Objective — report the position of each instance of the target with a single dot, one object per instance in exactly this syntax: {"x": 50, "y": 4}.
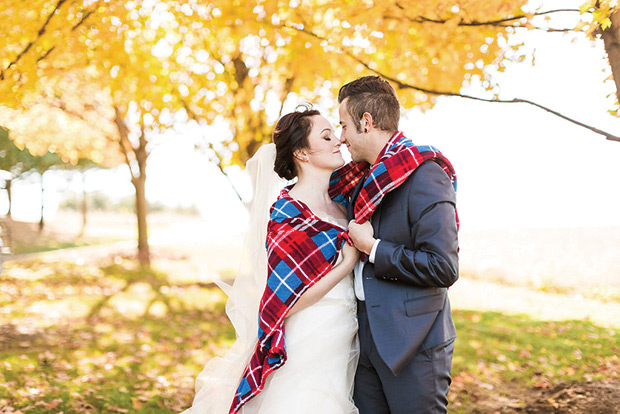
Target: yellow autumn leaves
{"x": 229, "y": 59}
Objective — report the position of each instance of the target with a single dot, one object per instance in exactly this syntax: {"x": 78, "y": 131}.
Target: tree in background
{"x": 426, "y": 49}
{"x": 20, "y": 162}
{"x": 604, "y": 23}
{"x": 119, "y": 74}
{"x": 14, "y": 162}
{"x": 123, "y": 73}
{"x": 82, "y": 166}
{"x": 42, "y": 164}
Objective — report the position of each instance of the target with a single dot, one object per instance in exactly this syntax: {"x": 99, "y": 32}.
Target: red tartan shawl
{"x": 301, "y": 249}
{"x": 396, "y": 162}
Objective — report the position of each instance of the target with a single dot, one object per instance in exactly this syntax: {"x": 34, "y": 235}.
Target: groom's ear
{"x": 366, "y": 121}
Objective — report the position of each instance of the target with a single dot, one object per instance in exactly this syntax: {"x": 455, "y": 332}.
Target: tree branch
{"x": 78, "y": 24}
{"x": 120, "y": 124}
{"x": 62, "y": 106}
{"x": 288, "y": 87}
{"x": 83, "y": 19}
{"x": 478, "y": 24}
{"x": 122, "y": 133}
{"x": 546, "y": 29}
{"x": 494, "y": 23}
{"x": 474, "y": 23}
{"x": 192, "y": 115}
{"x": 44, "y": 55}
{"x": 32, "y": 42}
{"x": 140, "y": 151}
{"x": 402, "y": 85}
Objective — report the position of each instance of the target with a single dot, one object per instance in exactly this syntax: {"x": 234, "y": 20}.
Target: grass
{"x": 26, "y": 248}
{"x": 111, "y": 338}
{"x": 49, "y": 241}
{"x": 139, "y": 352}
{"x": 65, "y": 232}
{"x": 496, "y": 353}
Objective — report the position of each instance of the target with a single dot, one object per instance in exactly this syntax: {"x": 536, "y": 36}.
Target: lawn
{"x": 106, "y": 337}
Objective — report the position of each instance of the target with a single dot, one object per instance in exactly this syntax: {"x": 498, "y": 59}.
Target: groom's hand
{"x": 362, "y": 236}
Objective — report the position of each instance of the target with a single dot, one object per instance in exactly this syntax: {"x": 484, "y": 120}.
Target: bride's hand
{"x": 350, "y": 255}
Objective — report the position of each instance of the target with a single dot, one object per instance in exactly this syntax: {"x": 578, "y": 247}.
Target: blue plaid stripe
{"x": 283, "y": 282}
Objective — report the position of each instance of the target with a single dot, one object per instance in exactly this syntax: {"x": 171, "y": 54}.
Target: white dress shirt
{"x": 358, "y": 271}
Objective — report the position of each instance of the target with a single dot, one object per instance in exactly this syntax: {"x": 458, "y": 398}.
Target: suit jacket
{"x": 417, "y": 259}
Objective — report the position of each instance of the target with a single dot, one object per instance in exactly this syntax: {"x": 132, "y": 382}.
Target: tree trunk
{"x": 41, "y": 222}
{"x": 141, "y": 213}
{"x": 10, "y": 196}
{"x": 611, "y": 39}
{"x": 138, "y": 179}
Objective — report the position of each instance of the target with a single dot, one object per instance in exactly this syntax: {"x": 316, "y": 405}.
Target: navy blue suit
{"x": 406, "y": 329}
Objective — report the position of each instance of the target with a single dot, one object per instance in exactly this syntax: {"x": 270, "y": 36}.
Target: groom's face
{"x": 349, "y": 136}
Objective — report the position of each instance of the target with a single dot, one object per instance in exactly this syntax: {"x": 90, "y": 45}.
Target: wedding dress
{"x": 322, "y": 353}
{"x": 321, "y": 340}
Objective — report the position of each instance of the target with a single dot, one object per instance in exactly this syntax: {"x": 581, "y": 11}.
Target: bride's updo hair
{"x": 289, "y": 135}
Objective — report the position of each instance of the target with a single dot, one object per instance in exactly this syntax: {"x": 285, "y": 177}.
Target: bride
{"x": 304, "y": 357}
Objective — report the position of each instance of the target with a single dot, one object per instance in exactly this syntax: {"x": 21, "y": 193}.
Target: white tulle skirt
{"x": 322, "y": 354}
{"x": 322, "y": 349}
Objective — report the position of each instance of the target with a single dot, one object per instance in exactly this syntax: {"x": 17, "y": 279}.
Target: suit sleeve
{"x": 433, "y": 261}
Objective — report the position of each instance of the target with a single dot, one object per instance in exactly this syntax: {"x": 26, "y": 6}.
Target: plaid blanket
{"x": 301, "y": 249}
{"x": 344, "y": 180}
{"x": 396, "y": 162}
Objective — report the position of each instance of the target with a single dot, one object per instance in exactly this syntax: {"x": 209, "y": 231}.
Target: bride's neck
{"x": 312, "y": 187}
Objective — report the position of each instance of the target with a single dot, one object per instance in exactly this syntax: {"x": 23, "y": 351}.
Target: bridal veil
{"x": 217, "y": 383}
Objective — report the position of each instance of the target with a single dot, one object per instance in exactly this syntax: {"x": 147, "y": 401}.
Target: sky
{"x": 517, "y": 166}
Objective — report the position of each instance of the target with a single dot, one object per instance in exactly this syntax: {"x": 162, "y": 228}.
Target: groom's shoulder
{"x": 430, "y": 182}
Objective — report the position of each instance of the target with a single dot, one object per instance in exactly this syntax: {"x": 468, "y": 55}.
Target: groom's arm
{"x": 433, "y": 261}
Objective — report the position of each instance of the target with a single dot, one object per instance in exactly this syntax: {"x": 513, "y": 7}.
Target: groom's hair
{"x": 373, "y": 95}
{"x": 291, "y": 134}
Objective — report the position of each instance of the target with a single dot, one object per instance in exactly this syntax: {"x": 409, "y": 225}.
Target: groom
{"x": 406, "y": 331}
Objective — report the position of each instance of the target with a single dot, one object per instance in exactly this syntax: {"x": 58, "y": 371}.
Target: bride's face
{"x": 323, "y": 145}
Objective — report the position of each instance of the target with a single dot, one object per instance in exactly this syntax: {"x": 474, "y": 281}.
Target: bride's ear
{"x": 301, "y": 155}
